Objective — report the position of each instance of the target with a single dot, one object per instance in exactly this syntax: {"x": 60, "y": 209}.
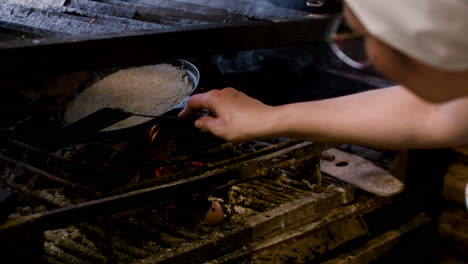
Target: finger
{"x": 195, "y": 104}
{"x": 231, "y": 91}
{"x": 206, "y": 124}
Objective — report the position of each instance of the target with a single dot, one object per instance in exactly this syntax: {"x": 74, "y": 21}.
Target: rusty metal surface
{"x": 64, "y": 36}
{"x": 360, "y": 172}
{"x": 92, "y": 52}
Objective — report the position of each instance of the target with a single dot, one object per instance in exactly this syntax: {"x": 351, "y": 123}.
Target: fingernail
{"x": 198, "y": 123}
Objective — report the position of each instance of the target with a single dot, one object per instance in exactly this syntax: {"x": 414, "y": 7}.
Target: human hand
{"x": 234, "y": 116}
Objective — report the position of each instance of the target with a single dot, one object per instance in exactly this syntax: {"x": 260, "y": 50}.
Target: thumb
{"x": 206, "y": 123}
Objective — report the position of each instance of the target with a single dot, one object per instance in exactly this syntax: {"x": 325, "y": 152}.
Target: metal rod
{"x": 140, "y": 198}
{"x": 94, "y": 52}
{"x": 49, "y": 176}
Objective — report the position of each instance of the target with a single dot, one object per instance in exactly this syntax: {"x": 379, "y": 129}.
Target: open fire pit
{"x": 171, "y": 194}
{"x": 167, "y": 193}
{"x": 234, "y": 201}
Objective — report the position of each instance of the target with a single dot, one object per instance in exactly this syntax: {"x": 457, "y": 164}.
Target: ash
{"x": 56, "y": 196}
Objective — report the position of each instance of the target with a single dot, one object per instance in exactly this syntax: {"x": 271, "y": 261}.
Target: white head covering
{"x": 434, "y": 32}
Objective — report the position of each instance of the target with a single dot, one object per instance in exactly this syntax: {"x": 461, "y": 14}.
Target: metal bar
{"x": 258, "y": 9}
{"x": 92, "y": 52}
{"x": 38, "y": 158}
{"x": 101, "y": 8}
{"x": 144, "y": 197}
{"x": 199, "y": 9}
{"x": 62, "y": 23}
{"x": 215, "y": 165}
{"x": 9, "y": 33}
{"x": 50, "y": 177}
{"x": 30, "y": 32}
{"x": 367, "y": 79}
{"x": 176, "y": 15}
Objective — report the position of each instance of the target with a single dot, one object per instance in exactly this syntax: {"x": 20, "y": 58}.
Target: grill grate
{"x": 162, "y": 230}
{"x": 159, "y": 235}
{"x": 73, "y": 35}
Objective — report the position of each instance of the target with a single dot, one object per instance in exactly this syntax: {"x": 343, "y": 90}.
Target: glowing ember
{"x": 153, "y": 132}
{"x": 197, "y": 164}
{"x": 151, "y": 172}
{"x": 164, "y": 170}
{"x": 161, "y": 171}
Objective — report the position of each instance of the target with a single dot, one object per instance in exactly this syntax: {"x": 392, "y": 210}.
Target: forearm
{"x": 388, "y": 118}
